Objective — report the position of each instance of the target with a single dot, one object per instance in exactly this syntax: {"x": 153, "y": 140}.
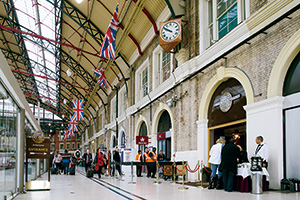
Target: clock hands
{"x": 168, "y": 30}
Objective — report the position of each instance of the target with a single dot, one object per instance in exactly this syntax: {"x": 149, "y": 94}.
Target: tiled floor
{"x": 79, "y": 187}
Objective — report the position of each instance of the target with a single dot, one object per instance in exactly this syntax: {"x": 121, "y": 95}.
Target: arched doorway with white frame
{"x": 162, "y": 129}
{"x": 122, "y": 138}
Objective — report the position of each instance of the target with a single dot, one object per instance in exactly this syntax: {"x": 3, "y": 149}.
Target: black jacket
{"x": 230, "y": 154}
{"x": 85, "y": 157}
{"x": 244, "y": 157}
{"x": 117, "y": 157}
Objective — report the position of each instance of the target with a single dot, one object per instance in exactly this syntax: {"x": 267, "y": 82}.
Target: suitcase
{"x": 72, "y": 171}
{"x": 53, "y": 170}
{"x": 89, "y": 173}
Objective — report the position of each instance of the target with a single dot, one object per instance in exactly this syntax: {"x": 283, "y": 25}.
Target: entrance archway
{"x": 164, "y": 135}
{"x": 143, "y": 132}
{"x": 226, "y": 115}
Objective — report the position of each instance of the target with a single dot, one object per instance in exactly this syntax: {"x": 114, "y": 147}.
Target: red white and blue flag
{"x": 101, "y": 77}
{"x": 66, "y": 135}
{"x": 78, "y": 109}
{"x": 108, "y": 45}
{"x": 73, "y": 126}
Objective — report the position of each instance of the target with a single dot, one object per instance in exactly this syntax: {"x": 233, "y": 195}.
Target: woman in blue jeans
{"x": 215, "y": 160}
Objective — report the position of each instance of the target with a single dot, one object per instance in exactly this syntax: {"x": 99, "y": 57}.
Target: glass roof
{"x": 39, "y": 17}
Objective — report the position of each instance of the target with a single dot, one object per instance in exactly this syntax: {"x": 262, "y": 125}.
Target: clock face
{"x": 170, "y": 31}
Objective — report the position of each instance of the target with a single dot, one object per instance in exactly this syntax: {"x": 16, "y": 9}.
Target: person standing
{"x": 230, "y": 155}
{"x": 215, "y": 160}
{"x": 138, "y": 158}
{"x": 244, "y": 155}
{"x": 99, "y": 162}
{"x": 117, "y": 159}
{"x": 148, "y": 160}
{"x": 88, "y": 159}
{"x": 153, "y": 156}
{"x": 66, "y": 162}
{"x": 57, "y": 161}
{"x": 108, "y": 162}
{"x": 262, "y": 150}
{"x": 161, "y": 156}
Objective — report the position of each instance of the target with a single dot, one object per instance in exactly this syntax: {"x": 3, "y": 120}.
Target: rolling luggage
{"x": 53, "y": 170}
{"x": 72, "y": 171}
{"x": 89, "y": 173}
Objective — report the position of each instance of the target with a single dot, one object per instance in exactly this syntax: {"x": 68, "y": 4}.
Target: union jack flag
{"x": 73, "y": 126}
{"x": 108, "y": 45}
{"x": 66, "y": 135}
{"x": 78, "y": 109}
{"x": 101, "y": 77}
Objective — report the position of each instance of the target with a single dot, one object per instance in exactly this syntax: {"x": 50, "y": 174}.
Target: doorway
{"x": 164, "y": 135}
{"x": 236, "y": 130}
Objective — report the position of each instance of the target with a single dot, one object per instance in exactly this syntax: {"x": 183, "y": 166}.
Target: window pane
{"x": 221, "y": 7}
{"x": 210, "y": 12}
{"x": 228, "y": 21}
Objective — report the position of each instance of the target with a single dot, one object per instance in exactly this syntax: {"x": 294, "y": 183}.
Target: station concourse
{"x": 149, "y": 99}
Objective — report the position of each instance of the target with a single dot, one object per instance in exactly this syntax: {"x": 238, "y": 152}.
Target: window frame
{"x": 63, "y": 145}
{"x": 212, "y": 28}
{"x": 157, "y": 66}
{"x": 138, "y": 80}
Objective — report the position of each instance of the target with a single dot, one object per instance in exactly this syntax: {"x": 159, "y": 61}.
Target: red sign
{"x": 161, "y": 136}
{"x": 142, "y": 140}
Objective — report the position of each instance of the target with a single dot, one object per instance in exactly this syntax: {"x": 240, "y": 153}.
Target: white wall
{"x": 265, "y": 118}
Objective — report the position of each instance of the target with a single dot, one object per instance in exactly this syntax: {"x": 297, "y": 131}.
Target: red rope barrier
{"x": 207, "y": 170}
{"x": 192, "y": 171}
{"x": 166, "y": 168}
{"x": 179, "y": 169}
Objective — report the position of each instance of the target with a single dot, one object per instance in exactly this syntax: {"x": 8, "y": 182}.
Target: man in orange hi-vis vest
{"x": 138, "y": 158}
{"x": 147, "y": 159}
{"x": 153, "y": 158}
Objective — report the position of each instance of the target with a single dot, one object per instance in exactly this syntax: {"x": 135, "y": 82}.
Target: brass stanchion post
{"x": 183, "y": 175}
{"x": 174, "y": 172}
{"x": 157, "y": 182}
{"x": 200, "y": 174}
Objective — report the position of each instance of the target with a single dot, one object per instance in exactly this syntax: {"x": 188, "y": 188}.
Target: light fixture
{"x": 65, "y": 101}
{"x": 49, "y": 124}
{"x": 37, "y": 69}
{"x": 50, "y": 131}
{"x": 63, "y": 116}
{"x": 69, "y": 73}
{"x": 79, "y": 1}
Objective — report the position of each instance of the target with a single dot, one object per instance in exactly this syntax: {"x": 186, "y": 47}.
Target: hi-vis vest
{"x": 138, "y": 158}
{"x": 147, "y": 157}
{"x": 154, "y": 155}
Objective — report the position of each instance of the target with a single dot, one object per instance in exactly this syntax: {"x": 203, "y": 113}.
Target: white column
{"x": 172, "y": 144}
{"x": 265, "y": 118}
{"x": 20, "y": 150}
{"x": 202, "y": 139}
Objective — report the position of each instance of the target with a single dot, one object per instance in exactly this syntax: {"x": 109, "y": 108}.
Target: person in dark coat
{"x": 230, "y": 155}
{"x": 117, "y": 159}
{"x": 244, "y": 155}
{"x": 88, "y": 159}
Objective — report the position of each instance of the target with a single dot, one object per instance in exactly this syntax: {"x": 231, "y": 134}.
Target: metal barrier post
{"x": 174, "y": 171}
{"x": 121, "y": 172}
{"x": 132, "y": 174}
{"x": 183, "y": 187}
{"x": 198, "y": 171}
{"x": 201, "y": 187}
{"x": 157, "y": 182}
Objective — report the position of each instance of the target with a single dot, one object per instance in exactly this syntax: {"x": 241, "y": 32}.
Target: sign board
{"x": 38, "y": 146}
{"x": 142, "y": 140}
{"x": 104, "y": 149}
{"x": 161, "y": 136}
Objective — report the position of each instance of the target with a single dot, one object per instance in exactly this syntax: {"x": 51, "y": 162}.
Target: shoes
{"x": 153, "y": 177}
{"x": 210, "y": 186}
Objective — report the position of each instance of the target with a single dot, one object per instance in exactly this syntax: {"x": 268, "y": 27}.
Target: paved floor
{"x": 79, "y": 187}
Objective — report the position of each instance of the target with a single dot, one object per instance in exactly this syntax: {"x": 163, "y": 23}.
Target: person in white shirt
{"x": 262, "y": 150}
{"x": 215, "y": 160}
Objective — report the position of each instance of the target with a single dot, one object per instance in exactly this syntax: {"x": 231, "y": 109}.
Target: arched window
{"x": 292, "y": 80}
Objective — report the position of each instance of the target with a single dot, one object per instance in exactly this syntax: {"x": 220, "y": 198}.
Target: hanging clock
{"x": 170, "y": 34}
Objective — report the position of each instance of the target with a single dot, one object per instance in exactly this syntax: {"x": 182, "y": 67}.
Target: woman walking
{"x": 99, "y": 162}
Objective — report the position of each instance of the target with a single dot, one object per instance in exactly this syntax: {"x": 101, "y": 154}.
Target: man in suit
{"x": 88, "y": 159}
{"x": 228, "y": 167}
{"x": 262, "y": 150}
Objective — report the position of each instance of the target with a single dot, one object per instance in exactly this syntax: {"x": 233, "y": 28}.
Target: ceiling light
{"x": 79, "y": 1}
{"x": 65, "y": 101}
{"x": 63, "y": 116}
{"x": 69, "y": 73}
{"x": 37, "y": 69}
